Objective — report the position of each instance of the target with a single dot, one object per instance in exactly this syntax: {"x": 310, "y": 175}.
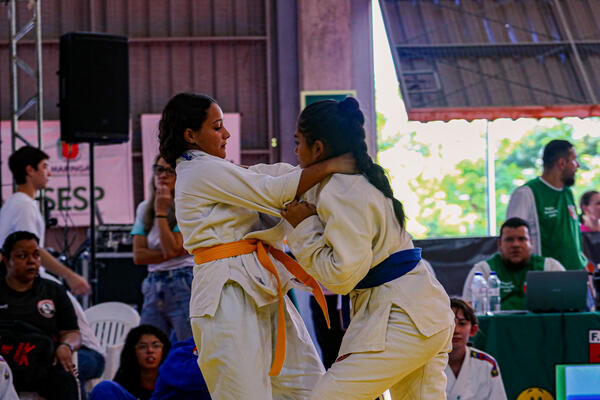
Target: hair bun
{"x": 349, "y": 105}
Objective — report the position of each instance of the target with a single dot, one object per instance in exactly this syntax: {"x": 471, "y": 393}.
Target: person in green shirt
{"x": 512, "y": 262}
{"x": 548, "y": 206}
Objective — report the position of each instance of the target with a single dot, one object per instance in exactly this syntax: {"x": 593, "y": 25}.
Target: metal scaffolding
{"x": 17, "y": 107}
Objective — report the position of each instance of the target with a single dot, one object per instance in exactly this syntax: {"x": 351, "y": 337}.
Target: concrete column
{"x": 325, "y": 44}
{"x": 335, "y": 52}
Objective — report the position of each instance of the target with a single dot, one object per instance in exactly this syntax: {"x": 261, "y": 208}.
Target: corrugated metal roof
{"x": 221, "y": 48}
{"x": 213, "y": 47}
{"x": 472, "y": 54}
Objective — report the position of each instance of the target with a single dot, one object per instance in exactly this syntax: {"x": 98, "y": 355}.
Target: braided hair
{"x": 183, "y": 111}
{"x": 340, "y": 126}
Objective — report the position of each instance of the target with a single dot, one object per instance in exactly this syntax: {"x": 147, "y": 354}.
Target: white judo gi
{"x": 400, "y": 333}
{"x": 7, "y": 390}
{"x": 233, "y": 304}
{"x": 479, "y": 378}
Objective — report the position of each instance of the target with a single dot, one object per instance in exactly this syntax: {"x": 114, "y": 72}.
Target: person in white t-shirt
{"x": 158, "y": 243}
{"x": 471, "y": 374}
{"x": 20, "y": 212}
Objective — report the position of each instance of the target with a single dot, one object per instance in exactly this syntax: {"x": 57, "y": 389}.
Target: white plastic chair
{"x": 111, "y": 322}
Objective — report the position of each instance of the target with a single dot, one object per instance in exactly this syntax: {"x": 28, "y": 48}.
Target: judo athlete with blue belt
{"x": 353, "y": 241}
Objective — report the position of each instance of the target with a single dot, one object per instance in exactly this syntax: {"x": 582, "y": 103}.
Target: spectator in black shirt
{"x": 24, "y": 296}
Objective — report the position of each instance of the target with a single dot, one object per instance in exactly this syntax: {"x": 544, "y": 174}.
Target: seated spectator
{"x": 590, "y": 211}
{"x": 471, "y": 374}
{"x": 146, "y": 347}
{"x": 512, "y": 262}
{"x": 179, "y": 377}
{"x": 36, "y": 311}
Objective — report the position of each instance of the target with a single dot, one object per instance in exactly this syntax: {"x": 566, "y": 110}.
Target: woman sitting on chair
{"x": 38, "y": 326}
{"x": 146, "y": 347}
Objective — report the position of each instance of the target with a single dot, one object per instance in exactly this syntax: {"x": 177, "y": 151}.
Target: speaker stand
{"x": 92, "y": 216}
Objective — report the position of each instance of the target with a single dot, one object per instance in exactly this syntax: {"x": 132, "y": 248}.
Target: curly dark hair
{"x": 128, "y": 374}
{"x": 340, "y": 126}
{"x": 183, "y": 111}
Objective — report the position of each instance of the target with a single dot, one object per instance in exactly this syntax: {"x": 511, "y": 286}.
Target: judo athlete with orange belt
{"x": 252, "y": 343}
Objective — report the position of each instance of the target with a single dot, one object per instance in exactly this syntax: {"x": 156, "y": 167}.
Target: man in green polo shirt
{"x": 512, "y": 262}
{"x": 548, "y": 206}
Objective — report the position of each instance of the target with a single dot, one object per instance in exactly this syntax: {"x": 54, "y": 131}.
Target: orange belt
{"x": 206, "y": 254}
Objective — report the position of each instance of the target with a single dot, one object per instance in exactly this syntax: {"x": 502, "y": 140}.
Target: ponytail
{"x": 340, "y": 126}
{"x": 375, "y": 174}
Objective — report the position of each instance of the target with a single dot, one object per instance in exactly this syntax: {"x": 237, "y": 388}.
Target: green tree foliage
{"x": 387, "y": 143}
{"x": 455, "y": 204}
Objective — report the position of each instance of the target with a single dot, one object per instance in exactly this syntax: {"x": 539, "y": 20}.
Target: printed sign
{"x": 68, "y": 188}
{"x": 149, "y": 122}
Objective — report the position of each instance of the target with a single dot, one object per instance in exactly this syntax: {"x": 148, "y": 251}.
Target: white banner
{"x": 68, "y": 188}
{"x": 150, "y": 143}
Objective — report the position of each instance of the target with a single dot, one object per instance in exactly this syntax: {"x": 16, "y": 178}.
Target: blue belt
{"x": 393, "y": 267}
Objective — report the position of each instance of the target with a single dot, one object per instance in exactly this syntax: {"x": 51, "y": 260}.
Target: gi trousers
{"x": 237, "y": 344}
{"x": 411, "y": 366}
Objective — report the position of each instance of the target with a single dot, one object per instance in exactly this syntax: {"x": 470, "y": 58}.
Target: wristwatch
{"x": 66, "y": 344}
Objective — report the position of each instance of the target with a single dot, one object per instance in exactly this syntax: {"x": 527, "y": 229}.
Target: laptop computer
{"x": 556, "y": 291}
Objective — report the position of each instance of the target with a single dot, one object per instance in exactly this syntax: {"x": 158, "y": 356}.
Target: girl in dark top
{"x": 146, "y": 347}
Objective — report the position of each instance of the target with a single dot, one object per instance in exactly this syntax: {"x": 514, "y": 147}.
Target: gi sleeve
{"x": 276, "y": 169}
{"x": 497, "y": 391}
{"x": 223, "y": 182}
{"x": 338, "y": 252}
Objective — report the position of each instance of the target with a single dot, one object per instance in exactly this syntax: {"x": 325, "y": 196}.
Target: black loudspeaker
{"x": 94, "y": 88}
{"x": 119, "y": 279}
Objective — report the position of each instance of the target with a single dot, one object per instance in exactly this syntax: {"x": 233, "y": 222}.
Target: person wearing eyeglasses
{"x": 158, "y": 243}
{"x": 145, "y": 349}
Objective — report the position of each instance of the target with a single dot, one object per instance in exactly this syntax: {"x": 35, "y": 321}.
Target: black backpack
{"x": 28, "y": 351}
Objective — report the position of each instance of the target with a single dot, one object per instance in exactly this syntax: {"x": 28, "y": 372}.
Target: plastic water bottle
{"x": 493, "y": 292}
{"x": 479, "y": 295}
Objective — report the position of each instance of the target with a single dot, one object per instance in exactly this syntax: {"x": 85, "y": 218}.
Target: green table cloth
{"x": 528, "y": 346}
